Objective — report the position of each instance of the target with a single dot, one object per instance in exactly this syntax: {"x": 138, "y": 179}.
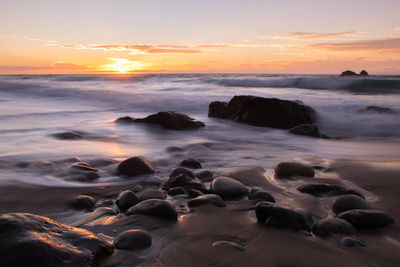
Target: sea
{"x": 35, "y": 107}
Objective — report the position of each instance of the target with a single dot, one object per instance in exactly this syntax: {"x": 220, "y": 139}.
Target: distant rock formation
{"x": 352, "y": 73}
{"x": 364, "y": 73}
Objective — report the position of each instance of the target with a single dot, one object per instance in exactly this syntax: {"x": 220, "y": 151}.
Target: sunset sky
{"x": 128, "y": 36}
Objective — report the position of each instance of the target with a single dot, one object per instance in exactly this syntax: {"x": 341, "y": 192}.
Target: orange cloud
{"x": 317, "y": 35}
{"x": 388, "y": 45}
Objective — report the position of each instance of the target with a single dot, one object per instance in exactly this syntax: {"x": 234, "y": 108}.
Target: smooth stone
{"x": 176, "y": 191}
{"x": 228, "y": 245}
{"x": 349, "y": 202}
{"x": 281, "y": 216}
{"x": 133, "y": 239}
{"x": 366, "y": 218}
{"x": 135, "y": 166}
{"x": 193, "y": 193}
{"x": 207, "y": 199}
{"x": 329, "y": 226}
{"x": 126, "y": 199}
{"x": 327, "y": 190}
{"x": 227, "y": 187}
{"x": 67, "y": 136}
{"x": 265, "y": 112}
{"x": 172, "y": 120}
{"x": 307, "y": 130}
{"x": 259, "y": 195}
{"x": 288, "y": 169}
{"x": 32, "y": 240}
{"x": 352, "y": 242}
{"x": 181, "y": 170}
{"x": 205, "y": 175}
{"x": 191, "y": 163}
{"x": 155, "y": 207}
{"x": 125, "y": 119}
{"x": 82, "y": 202}
{"x": 184, "y": 181}
{"x": 152, "y": 193}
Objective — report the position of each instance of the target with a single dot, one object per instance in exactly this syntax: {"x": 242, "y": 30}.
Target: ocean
{"x": 33, "y": 107}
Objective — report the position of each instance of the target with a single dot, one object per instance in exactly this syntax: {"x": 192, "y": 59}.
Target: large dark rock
{"x": 326, "y": 190}
{"x": 349, "y": 202}
{"x": 227, "y": 187}
{"x": 348, "y": 73}
{"x": 133, "y": 239}
{"x": 260, "y": 111}
{"x": 82, "y": 202}
{"x": 172, "y": 120}
{"x": 207, "y": 199}
{"x": 155, "y": 207}
{"x": 135, "y": 166}
{"x": 280, "y": 216}
{"x": 259, "y": 195}
{"x": 31, "y": 240}
{"x": 364, "y": 73}
{"x": 126, "y": 199}
{"x": 307, "y": 130}
{"x": 191, "y": 163}
{"x": 366, "y": 218}
{"x": 288, "y": 169}
{"x": 185, "y": 182}
{"x": 329, "y": 226}
{"x": 181, "y": 170}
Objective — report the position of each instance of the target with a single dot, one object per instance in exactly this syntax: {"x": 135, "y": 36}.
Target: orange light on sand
{"x": 122, "y": 65}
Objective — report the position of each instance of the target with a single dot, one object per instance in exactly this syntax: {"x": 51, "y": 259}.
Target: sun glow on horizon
{"x": 123, "y": 66}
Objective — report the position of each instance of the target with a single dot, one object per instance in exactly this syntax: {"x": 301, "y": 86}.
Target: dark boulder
{"x": 133, "y": 239}
{"x": 227, "y": 187}
{"x": 155, "y": 207}
{"x": 326, "y": 190}
{"x": 288, "y": 169}
{"x": 364, "y": 73}
{"x": 135, "y": 166}
{"x": 152, "y": 193}
{"x": 260, "y": 111}
{"x": 207, "y": 199}
{"x": 191, "y": 163}
{"x": 348, "y": 73}
{"x": 126, "y": 199}
{"x": 172, "y": 120}
{"x": 259, "y": 195}
{"x": 185, "y": 182}
{"x": 31, "y": 240}
{"x": 181, "y": 170}
{"x": 349, "y": 202}
{"x": 307, "y": 130}
{"x": 281, "y": 216}
{"x": 366, "y": 218}
{"x": 82, "y": 202}
{"x": 329, "y": 226}
{"x": 174, "y": 191}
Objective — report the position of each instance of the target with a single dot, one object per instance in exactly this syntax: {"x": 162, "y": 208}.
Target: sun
{"x": 122, "y": 65}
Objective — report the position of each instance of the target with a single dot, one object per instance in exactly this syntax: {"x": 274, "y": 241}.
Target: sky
{"x": 185, "y": 36}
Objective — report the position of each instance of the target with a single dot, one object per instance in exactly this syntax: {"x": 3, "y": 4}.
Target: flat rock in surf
{"x": 377, "y": 109}
{"x": 28, "y": 239}
{"x": 155, "y": 207}
{"x": 184, "y": 181}
{"x": 281, "y": 216}
{"x": 289, "y": 169}
{"x": 135, "y": 166}
{"x": 213, "y": 199}
{"x": 191, "y": 163}
{"x": 349, "y": 202}
{"x": 228, "y": 187}
{"x": 326, "y": 190}
{"x": 307, "y": 130}
{"x": 330, "y": 226}
{"x": 172, "y": 120}
{"x": 67, "y": 136}
{"x": 366, "y": 218}
{"x": 133, "y": 239}
{"x": 260, "y": 111}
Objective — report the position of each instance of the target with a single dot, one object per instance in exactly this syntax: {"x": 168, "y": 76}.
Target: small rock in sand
{"x": 135, "y": 166}
{"x": 207, "y": 199}
{"x": 349, "y": 202}
{"x": 260, "y": 195}
{"x": 228, "y": 187}
{"x": 366, "y": 218}
{"x": 126, "y": 199}
{"x": 352, "y": 242}
{"x": 288, "y": 169}
{"x": 228, "y": 245}
{"x": 329, "y": 226}
{"x": 155, "y": 207}
{"x": 191, "y": 163}
{"x": 133, "y": 239}
{"x": 181, "y": 170}
{"x": 82, "y": 202}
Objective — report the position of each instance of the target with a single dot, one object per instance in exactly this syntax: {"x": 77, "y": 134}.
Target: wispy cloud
{"x": 309, "y": 35}
{"x": 388, "y": 45}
